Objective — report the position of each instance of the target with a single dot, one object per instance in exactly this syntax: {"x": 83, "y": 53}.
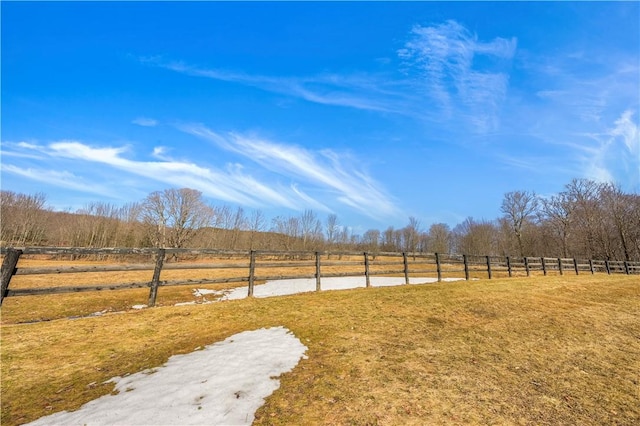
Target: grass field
{"x": 539, "y": 350}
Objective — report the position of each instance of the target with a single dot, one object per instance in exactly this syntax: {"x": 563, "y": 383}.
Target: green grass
{"x": 544, "y": 350}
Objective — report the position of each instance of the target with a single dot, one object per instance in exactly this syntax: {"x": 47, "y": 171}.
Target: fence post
{"x": 526, "y": 265}
{"x": 406, "y": 268}
{"x": 466, "y": 267}
{"x": 575, "y": 265}
{"x": 8, "y": 269}
{"x": 509, "y": 265}
{"x": 591, "y": 266}
{"x": 317, "y": 271}
{"x": 544, "y": 266}
{"x": 252, "y": 270}
{"x": 606, "y": 265}
{"x": 366, "y": 269}
{"x": 489, "y": 266}
{"x": 438, "y": 268}
{"x": 155, "y": 281}
{"x": 560, "y": 266}
{"x": 626, "y": 267}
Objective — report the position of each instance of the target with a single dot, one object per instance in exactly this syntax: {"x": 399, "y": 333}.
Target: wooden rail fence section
{"x": 407, "y": 264}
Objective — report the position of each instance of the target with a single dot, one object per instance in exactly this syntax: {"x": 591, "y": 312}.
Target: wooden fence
{"x": 316, "y": 265}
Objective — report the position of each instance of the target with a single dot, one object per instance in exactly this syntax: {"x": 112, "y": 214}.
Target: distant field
{"x": 539, "y": 350}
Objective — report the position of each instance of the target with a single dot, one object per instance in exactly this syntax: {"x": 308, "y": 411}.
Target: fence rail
{"x": 316, "y": 265}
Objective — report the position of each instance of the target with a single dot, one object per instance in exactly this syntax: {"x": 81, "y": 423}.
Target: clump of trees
{"x": 586, "y": 220}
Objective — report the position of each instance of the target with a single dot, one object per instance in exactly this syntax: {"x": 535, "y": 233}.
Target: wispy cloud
{"x": 160, "y": 152}
{"x": 592, "y": 88}
{"x": 616, "y": 157}
{"x": 610, "y": 153}
{"x": 327, "y": 175}
{"x": 326, "y": 169}
{"x": 587, "y": 104}
{"x": 440, "y": 79}
{"x": 359, "y": 92}
{"x": 444, "y": 57}
{"x": 63, "y": 179}
{"x": 145, "y": 122}
{"x": 627, "y": 130}
{"x": 230, "y": 186}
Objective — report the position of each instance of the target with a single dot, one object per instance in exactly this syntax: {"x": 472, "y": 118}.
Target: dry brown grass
{"x": 552, "y": 350}
{"x": 55, "y": 306}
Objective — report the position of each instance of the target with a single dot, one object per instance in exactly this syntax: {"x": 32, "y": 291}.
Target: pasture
{"x": 523, "y": 350}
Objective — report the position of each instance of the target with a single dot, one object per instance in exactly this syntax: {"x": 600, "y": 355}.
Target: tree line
{"x": 587, "y": 219}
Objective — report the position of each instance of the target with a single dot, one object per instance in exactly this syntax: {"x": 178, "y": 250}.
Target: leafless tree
{"x": 22, "y": 217}
{"x": 475, "y": 237}
{"x": 239, "y": 223}
{"x": 310, "y": 229}
{"x": 96, "y": 225}
{"x": 332, "y": 229}
{"x": 256, "y": 223}
{"x": 288, "y": 230}
{"x": 439, "y": 238}
{"x": 557, "y": 213}
{"x": 345, "y": 238}
{"x": 634, "y": 203}
{"x": 583, "y": 195}
{"x": 130, "y": 234}
{"x": 174, "y": 215}
{"x": 619, "y": 209}
{"x": 388, "y": 243}
{"x": 411, "y": 236}
{"x": 223, "y": 217}
{"x": 371, "y": 241}
{"x": 519, "y": 208}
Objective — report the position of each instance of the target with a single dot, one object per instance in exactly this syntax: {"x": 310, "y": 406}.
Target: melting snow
{"x": 284, "y": 287}
{"x": 222, "y": 384}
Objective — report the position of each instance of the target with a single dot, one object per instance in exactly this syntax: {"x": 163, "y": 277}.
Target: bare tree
{"x": 475, "y": 237}
{"x": 174, "y": 215}
{"x": 223, "y": 217}
{"x": 96, "y": 225}
{"x": 22, "y": 217}
{"x": 371, "y": 241}
{"x": 519, "y": 208}
{"x": 411, "y": 235}
{"x": 256, "y": 223}
{"x": 239, "y": 224}
{"x": 557, "y": 212}
{"x": 288, "y": 229}
{"x": 345, "y": 238}
{"x": 439, "y": 238}
{"x": 619, "y": 210}
{"x": 129, "y": 231}
{"x": 388, "y": 242}
{"x": 332, "y": 229}
{"x": 310, "y": 228}
{"x": 634, "y": 208}
{"x": 583, "y": 195}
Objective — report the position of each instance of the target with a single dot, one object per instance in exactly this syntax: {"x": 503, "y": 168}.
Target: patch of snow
{"x": 138, "y": 306}
{"x": 303, "y": 285}
{"x": 200, "y": 292}
{"x": 222, "y": 384}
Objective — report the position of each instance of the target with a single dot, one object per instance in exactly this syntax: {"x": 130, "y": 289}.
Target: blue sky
{"x": 373, "y": 111}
